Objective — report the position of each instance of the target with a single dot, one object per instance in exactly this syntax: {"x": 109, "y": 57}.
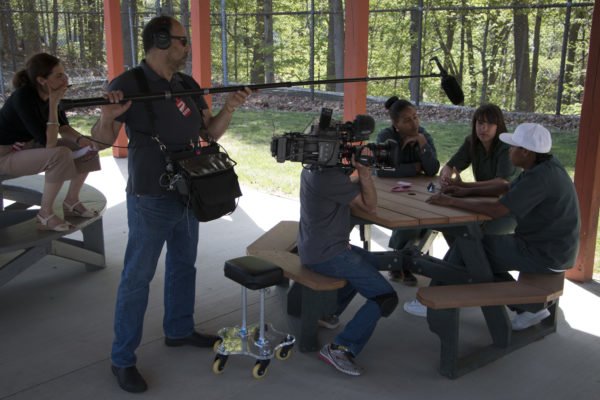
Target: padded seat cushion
{"x": 253, "y": 273}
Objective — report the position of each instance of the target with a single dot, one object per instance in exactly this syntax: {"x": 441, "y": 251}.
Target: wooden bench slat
{"x": 483, "y": 294}
{"x": 276, "y": 245}
{"x": 530, "y": 288}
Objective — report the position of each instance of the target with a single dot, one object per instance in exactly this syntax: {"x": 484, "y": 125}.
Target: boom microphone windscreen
{"x": 450, "y": 85}
{"x": 453, "y": 90}
{"x": 363, "y": 125}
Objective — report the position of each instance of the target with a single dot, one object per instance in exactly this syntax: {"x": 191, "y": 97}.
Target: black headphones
{"x": 162, "y": 39}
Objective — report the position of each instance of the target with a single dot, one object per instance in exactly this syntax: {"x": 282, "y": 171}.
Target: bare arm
{"x": 366, "y": 200}
{"x": 494, "y": 187}
{"x": 493, "y": 209}
{"x": 217, "y": 125}
{"x": 106, "y": 128}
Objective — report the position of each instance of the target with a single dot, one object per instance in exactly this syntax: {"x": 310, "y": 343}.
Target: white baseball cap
{"x": 533, "y": 137}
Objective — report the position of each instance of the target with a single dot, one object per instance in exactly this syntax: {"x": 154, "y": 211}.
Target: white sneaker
{"x": 416, "y": 308}
{"x": 527, "y": 319}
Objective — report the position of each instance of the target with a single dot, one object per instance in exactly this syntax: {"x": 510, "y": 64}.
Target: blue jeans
{"x": 152, "y": 221}
{"x": 358, "y": 267}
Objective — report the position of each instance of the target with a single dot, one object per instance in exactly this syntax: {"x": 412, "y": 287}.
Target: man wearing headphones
{"x": 156, "y": 215}
{"x": 326, "y": 196}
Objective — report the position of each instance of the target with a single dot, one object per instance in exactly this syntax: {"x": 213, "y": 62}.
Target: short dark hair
{"x": 156, "y": 25}
{"x": 395, "y": 106}
{"x": 40, "y": 64}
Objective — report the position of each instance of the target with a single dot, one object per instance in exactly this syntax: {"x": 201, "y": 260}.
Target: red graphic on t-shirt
{"x": 185, "y": 110}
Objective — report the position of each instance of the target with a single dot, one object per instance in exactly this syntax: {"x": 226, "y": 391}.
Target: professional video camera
{"x": 329, "y": 145}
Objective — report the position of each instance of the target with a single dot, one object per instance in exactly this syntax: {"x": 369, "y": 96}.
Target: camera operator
{"x": 327, "y": 195}
{"x": 415, "y": 155}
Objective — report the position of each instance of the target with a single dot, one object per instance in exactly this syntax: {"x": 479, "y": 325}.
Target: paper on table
{"x": 81, "y": 152}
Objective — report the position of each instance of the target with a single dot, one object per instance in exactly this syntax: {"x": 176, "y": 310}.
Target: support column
{"x": 355, "y": 57}
{"x": 114, "y": 58}
{"x": 587, "y": 164}
{"x": 201, "y": 57}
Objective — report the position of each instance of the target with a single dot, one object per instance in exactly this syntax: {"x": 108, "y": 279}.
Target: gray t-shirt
{"x": 544, "y": 202}
{"x": 177, "y": 121}
{"x": 325, "y": 226}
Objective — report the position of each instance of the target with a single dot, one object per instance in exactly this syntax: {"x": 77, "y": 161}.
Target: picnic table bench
{"x": 311, "y": 295}
{"x": 443, "y": 309}
{"x": 22, "y": 244}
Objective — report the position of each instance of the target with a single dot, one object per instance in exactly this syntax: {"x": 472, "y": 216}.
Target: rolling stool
{"x": 260, "y": 341}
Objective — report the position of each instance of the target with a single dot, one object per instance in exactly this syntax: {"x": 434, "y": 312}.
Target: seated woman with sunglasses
{"x": 30, "y": 125}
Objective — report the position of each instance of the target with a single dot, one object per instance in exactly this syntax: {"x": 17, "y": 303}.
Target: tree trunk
{"x": 9, "y": 43}
{"x": 570, "y": 81}
{"x": 54, "y": 36}
{"x": 257, "y": 73}
{"x": 31, "y": 29}
{"x": 484, "y": 66}
{"x": 267, "y": 46}
{"x": 470, "y": 61}
{"x": 523, "y": 95}
{"x": 415, "y": 57}
{"x": 127, "y": 14}
{"x": 536, "y": 54}
{"x": 335, "y": 45}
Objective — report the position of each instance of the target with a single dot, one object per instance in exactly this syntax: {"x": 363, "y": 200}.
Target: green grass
{"x": 249, "y": 137}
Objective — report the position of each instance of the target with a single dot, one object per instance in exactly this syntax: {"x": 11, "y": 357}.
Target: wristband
{"x": 52, "y": 123}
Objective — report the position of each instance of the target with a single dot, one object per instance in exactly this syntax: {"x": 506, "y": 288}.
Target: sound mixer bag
{"x": 208, "y": 185}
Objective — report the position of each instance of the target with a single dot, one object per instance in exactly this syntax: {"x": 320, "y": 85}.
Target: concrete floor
{"x": 56, "y": 331}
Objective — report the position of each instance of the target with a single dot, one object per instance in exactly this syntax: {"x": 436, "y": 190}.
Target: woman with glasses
{"x": 35, "y": 136}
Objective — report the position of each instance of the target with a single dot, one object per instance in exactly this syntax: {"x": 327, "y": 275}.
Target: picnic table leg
{"x": 309, "y": 305}
{"x": 93, "y": 239}
{"x": 444, "y": 323}
{"x": 498, "y": 324}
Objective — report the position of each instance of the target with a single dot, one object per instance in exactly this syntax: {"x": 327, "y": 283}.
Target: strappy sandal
{"x": 43, "y": 224}
{"x": 72, "y": 211}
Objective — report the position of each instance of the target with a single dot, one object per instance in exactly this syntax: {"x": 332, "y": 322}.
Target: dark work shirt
{"x": 325, "y": 226}
{"x": 407, "y": 157}
{"x": 23, "y": 117}
{"x": 177, "y": 122}
{"x": 486, "y": 166}
{"x": 544, "y": 202}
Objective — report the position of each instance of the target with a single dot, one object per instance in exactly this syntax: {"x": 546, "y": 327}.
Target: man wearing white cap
{"x": 543, "y": 201}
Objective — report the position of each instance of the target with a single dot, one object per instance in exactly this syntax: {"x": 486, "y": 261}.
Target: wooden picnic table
{"x": 470, "y": 285}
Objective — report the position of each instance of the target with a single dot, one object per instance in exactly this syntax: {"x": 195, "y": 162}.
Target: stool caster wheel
{"x": 219, "y": 364}
{"x": 217, "y": 345}
{"x": 284, "y": 352}
{"x": 260, "y": 369}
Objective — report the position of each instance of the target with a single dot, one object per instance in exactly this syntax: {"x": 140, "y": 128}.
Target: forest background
{"x": 522, "y": 55}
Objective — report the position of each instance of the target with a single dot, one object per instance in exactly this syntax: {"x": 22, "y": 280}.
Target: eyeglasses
{"x": 182, "y": 39}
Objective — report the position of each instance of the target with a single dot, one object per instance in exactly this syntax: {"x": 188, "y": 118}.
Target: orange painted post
{"x": 587, "y": 163}
{"x": 114, "y": 58}
{"x": 355, "y": 57}
{"x": 201, "y": 57}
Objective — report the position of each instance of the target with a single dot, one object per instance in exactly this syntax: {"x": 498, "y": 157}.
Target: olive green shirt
{"x": 485, "y": 166}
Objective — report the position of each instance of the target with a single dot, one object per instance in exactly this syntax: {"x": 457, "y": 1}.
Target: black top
{"x": 177, "y": 122}
{"x": 23, "y": 117}
{"x": 407, "y": 157}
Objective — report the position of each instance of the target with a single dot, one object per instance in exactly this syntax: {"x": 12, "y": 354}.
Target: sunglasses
{"x": 182, "y": 39}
